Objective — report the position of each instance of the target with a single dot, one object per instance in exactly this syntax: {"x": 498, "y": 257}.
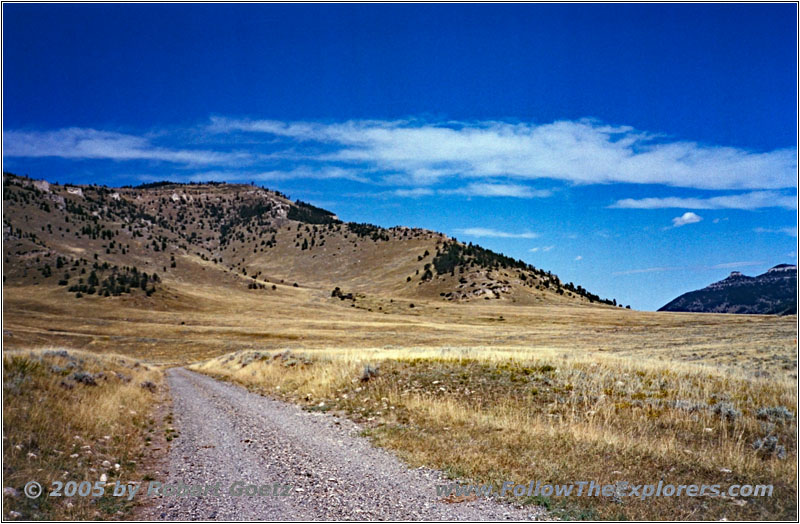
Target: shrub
{"x": 84, "y": 378}
{"x": 369, "y": 372}
{"x": 726, "y": 410}
{"x": 688, "y": 405}
{"x": 769, "y": 447}
{"x": 775, "y": 414}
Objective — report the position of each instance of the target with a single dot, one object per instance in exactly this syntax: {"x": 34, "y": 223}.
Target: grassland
{"x": 190, "y": 322}
{"x": 557, "y": 392}
{"x": 75, "y": 416}
{"x": 491, "y": 416}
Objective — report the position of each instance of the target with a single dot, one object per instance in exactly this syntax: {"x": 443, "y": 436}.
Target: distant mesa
{"x": 771, "y": 293}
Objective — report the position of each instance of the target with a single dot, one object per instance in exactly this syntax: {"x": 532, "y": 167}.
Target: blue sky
{"x": 638, "y": 150}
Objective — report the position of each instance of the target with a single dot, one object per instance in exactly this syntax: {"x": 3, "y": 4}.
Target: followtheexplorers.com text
{"x": 595, "y": 489}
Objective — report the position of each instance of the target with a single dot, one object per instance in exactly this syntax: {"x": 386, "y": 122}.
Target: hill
{"x": 774, "y": 292}
{"x": 136, "y": 241}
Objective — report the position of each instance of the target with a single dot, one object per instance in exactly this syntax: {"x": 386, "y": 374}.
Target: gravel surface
{"x": 227, "y": 434}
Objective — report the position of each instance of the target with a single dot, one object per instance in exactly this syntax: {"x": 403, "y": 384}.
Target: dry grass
{"x": 580, "y": 424}
{"x": 188, "y": 323}
{"x": 491, "y": 416}
{"x": 56, "y": 427}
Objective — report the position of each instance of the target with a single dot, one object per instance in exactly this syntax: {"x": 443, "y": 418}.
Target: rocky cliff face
{"x": 773, "y": 292}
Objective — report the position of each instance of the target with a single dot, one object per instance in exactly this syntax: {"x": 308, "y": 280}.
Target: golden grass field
{"x": 499, "y": 415}
{"x": 488, "y": 392}
{"x": 192, "y": 322}
{"x": 58, "y": 428}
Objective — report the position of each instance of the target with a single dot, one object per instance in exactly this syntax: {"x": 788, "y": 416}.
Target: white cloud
{"x": 543, "y": 249}
{"x": 488, "y": 232}
{"x": 726, "y": 265}
{"x": 222, "y": 175}
{"x": 413, "y": 193}
{"x": 579, "y": 257}
{"x": 471, "y": 190}
{"x": 752, "y": 200}
{"x": 791, "y": 231}
{"x": 321, "y": 173}
{"x": 414, "y": 153}
{"x": 581, "y": 151}
{"x": 81, "y": 143}
{"x": 686, "y": 218}
{"x": 730, "y": 265}
{"x": 645, "y": 270}
{"x": 499, "y": 190}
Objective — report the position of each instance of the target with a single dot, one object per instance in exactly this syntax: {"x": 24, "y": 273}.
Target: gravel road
{"x": 227, "y": 434}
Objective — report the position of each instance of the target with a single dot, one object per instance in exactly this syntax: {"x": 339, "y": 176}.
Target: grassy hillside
{"x": 243, "y": 236}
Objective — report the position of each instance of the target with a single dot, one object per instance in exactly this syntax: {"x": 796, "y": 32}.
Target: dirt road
{"x": 227, "y": 434}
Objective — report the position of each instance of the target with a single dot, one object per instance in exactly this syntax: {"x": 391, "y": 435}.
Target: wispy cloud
{"x": 583, "y": 151}
{"x": 579, "y": 257}
{"x": 686, "y": 218}
{"x": 791, "y": 231}
{"x": 223, "y": 175}
{"x": 82, "y": 143}
{"x": 499, "y": 190}
{"x": 751, "y": 200}
{"x": 415, "y": 153}
{"x": 731, "y": 265}
{"x": 725, "y": 265}
{"x": 471, "y": 190}
{"x": 646, "y": 270}
{"x": 323, "y": 173}
{"x": 488, "y": 232}
{"x": 413, "y": 193}
{"x": 543, "y": 249}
